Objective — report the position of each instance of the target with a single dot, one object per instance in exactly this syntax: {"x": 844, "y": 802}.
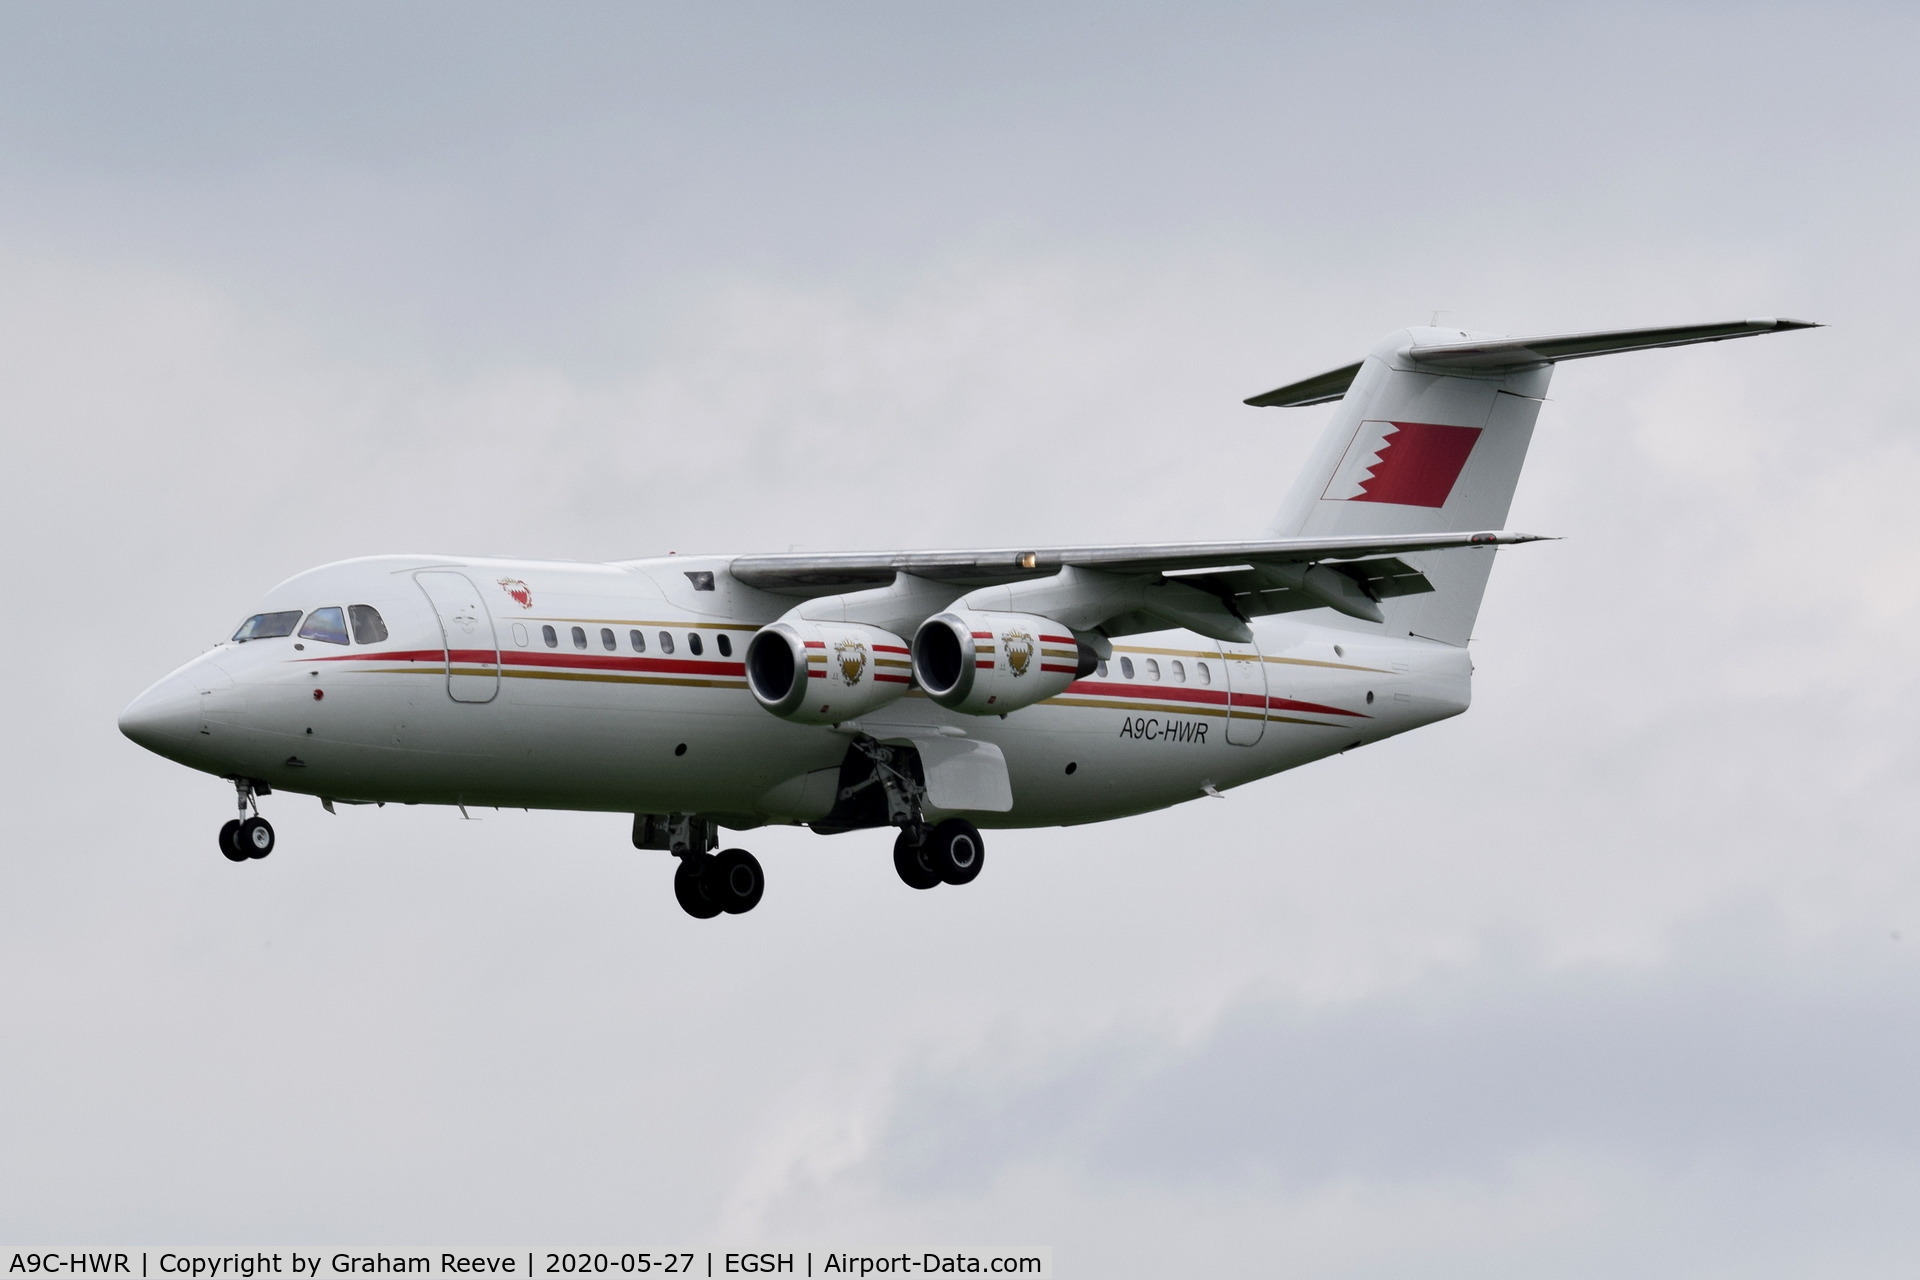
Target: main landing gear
{"x": 246, "y": 836}
{"x": 705, "y": 884}
{"x": 950, "y": 853}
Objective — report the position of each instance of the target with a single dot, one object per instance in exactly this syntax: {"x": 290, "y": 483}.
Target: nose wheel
{"x": 249, "y": 835}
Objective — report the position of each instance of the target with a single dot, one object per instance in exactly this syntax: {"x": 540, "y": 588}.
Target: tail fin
{"x": 1430, "y": 438}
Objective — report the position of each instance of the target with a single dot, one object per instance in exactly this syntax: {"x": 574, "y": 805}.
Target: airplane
{"x": 931, "y": 692}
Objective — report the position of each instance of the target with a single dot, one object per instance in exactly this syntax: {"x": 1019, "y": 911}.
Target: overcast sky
{"x": 1618, "y": 974}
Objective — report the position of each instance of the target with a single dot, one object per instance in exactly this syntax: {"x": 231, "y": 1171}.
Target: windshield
{"x": 368, "y": 626}
{"x": 265, "y": 626}
{"x": 328, "y": 624}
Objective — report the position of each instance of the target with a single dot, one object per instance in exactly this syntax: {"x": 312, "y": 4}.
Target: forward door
{"x": 1246, "y": 694}
{"x": 466, "y": 631}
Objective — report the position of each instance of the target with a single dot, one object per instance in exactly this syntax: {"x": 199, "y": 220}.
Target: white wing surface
{"x": 1212, "y": 588}
{"x": 829, "y": 573}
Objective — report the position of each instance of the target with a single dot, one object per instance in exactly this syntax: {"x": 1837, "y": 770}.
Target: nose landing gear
{"x": 246, "y": 836}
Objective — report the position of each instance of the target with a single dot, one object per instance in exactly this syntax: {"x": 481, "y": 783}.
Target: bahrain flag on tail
{"x": 1410, "y": 464}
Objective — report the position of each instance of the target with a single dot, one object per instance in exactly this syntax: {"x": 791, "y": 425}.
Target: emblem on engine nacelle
{"x": 851, "y": 656}
{"x": 1019, "y": 647}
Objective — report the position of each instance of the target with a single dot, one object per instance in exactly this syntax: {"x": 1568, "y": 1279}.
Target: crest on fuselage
{"x": 522, "y": 593}
{"x": 851, "y": 656}
{"x": 1019, "y": 648}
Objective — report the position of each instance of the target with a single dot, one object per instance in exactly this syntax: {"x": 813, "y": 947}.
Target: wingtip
{"x": 1783, "y": 322}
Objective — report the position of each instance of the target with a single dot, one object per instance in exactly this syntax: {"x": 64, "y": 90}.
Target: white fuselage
{"x": 576, "y": 724}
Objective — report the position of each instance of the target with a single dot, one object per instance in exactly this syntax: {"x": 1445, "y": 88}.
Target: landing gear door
{"x": 466, "y": 630}
{"x": 1246, "y": 694}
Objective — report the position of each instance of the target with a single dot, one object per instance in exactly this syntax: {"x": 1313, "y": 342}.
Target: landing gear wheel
{"x": 693, "y": 886}
{"x": 955, "y": 851}
{"x": 254, "y": 838}
{"x": 737, "y": 881}
{"x": 910, "y": 860}
{"x": 230, "y": 843}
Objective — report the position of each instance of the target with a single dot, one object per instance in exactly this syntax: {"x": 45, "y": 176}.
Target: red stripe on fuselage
{"x": 1208, "y": 697}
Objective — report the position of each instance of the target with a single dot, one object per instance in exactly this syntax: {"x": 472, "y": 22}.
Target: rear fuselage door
{"x": 466, "y": 630}
{"x": 1246, "y": 694}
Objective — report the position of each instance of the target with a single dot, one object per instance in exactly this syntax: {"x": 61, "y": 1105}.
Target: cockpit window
{"x": 368, "y": 626}
{"x": 328, "y": 624}
{"x": 265, "y": 626}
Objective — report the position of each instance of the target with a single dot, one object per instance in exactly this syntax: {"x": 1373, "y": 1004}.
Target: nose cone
{"x": 166, "y": 719}
{"x": 165, "y": 716}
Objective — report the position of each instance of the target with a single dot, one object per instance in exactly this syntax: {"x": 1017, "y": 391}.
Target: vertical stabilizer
{"x": 1419, "y": 450}
{"x": 1430, "y": 436}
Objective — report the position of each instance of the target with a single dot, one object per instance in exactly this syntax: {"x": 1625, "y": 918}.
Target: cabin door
{"x": 466, "y": 632}
{"x": 1246, "y": 693}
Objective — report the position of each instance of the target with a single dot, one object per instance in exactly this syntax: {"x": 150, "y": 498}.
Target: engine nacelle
{"x": 987, "y": 664}
{"x": 826, "y": 672}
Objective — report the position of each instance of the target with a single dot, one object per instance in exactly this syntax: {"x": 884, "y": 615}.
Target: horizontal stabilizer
{"x": 1315, "y": 390}
{"x": 1510, "y": 353}
{"x": 1496, "y": 354}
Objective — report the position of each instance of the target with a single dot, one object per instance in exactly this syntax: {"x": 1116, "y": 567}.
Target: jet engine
{"x": 826, "y": 672}
{"x": 987, "y": 664}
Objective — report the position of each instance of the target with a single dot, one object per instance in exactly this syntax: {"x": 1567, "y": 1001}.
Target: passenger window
{"x": 1206, "y": 676}
{"x": 329, "y": 624}
{"x": 1103, "y": 671}
{"x": 607, "y": 641}
{"x": 726, "y": 645}
{"x": 1179, "y": 671}
{"x": 267, "y": 626}
{"x": 520, "y": 635}
{"x": 1153, "y": 668}
{"x": 553, "y": 641}
{"x": 579, "y": 637}
{"x": 666, "y": 642}
{"x": 693, "y": 643}
{"x": 368, "y": 626}
{"x": 638, "y": 639}
{"x": 1126, "y": 668}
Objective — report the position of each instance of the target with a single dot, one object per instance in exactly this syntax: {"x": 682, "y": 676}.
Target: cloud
{"x": 1741, "y": 1049}
{"x": 1498, "y": 1108}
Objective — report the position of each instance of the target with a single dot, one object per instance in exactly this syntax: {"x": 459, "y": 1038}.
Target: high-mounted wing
{"x": 1212, "y": 588}
{"x": 828, "y": 573}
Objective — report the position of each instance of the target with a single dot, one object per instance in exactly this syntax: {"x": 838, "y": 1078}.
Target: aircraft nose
{"x": 168, "y": 714}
